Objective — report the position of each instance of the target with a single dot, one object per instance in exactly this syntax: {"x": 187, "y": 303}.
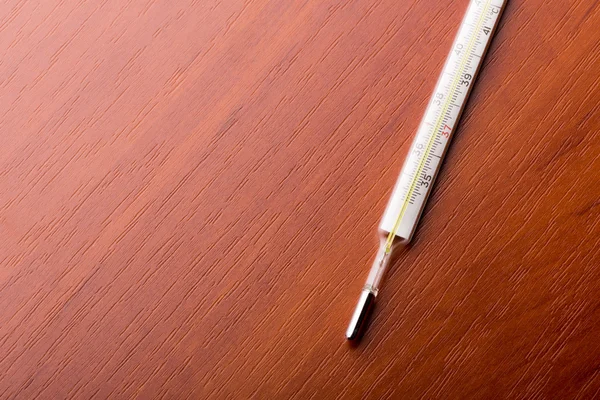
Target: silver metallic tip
{"x": 361, "y": 313}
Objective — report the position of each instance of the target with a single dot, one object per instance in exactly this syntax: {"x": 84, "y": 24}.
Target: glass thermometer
{"x": 430, "y": 145}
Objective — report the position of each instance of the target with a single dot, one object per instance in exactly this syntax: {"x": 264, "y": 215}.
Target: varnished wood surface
{"x": 189, "y": 194}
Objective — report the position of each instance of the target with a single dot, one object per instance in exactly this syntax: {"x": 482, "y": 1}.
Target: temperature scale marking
{"x": 441, "y": 130}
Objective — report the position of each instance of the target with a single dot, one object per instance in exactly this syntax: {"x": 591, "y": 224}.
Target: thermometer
{"x": 429, "y": 146}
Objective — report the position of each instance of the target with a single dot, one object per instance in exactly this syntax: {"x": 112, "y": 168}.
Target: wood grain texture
{"x": 189, "y": 194}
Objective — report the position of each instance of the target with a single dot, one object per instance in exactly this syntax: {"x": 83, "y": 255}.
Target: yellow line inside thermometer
{"x": 430, "y": 144}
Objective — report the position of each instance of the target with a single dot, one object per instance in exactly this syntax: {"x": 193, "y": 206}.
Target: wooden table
{"x": 189, "y": 194}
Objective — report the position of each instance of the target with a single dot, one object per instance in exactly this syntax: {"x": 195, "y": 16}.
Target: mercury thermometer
{"x": 429, "y": 146}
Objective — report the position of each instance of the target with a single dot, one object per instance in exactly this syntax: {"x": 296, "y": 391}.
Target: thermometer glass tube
{"x": 429, "y": 146}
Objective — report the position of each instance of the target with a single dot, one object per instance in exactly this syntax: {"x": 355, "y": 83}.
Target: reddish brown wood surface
{"x": 189, "y": 194}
